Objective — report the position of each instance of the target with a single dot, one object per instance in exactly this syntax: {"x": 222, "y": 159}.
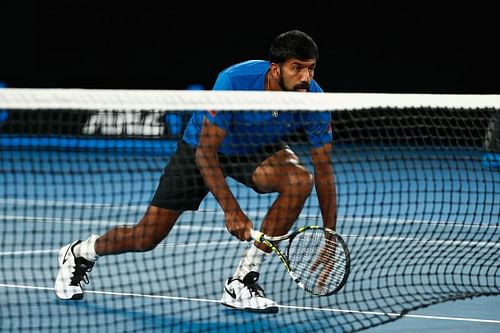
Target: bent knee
{"x": 291, "y": 177}
{"x": 299, "y": 180}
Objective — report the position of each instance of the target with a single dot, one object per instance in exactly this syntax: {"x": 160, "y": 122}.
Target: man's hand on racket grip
{"x": 239, "y": 225}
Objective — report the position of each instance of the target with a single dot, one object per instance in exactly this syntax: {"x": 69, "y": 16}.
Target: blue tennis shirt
{"x": 246, "y": 131}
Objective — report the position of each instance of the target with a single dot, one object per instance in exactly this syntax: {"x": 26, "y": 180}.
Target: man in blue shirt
{"x": 246, "y": 146}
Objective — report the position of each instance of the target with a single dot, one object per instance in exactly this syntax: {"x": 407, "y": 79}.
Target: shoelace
{"x": 255, "y": 289}
{"x": 82, "y": 267}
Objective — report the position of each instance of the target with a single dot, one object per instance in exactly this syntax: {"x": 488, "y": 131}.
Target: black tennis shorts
{"x": 181, "y": 186}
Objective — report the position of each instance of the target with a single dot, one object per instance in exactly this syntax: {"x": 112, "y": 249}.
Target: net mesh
{"x": 417, "y": 184}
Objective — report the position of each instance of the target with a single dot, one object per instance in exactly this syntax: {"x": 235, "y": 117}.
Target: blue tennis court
{"x": 422, "y": 227}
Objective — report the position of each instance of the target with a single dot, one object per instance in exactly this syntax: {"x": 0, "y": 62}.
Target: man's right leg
{"x": 151, "y": 230}
{"x": 181, "y": 187}
{"x": 77, "y": 258}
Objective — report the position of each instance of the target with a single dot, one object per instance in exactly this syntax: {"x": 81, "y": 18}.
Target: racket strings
{"x": 318, "y": 260}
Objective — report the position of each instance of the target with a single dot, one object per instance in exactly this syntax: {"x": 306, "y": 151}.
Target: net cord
{"x": 175, "y": 100}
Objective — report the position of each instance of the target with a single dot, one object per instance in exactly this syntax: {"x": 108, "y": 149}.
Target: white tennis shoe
{"x": 247, "y": 295}
{"x": 72, "y": 271}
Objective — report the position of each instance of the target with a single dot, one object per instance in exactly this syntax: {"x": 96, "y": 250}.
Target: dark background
{"x": 365, "y": 46}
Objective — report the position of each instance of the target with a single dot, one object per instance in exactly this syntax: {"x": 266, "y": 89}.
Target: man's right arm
{"x": 211, "y": 137}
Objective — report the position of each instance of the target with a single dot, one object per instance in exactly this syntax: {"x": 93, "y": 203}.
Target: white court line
{"x": 385, "y": 220}
{"x": 77, "y": 221}
{"x": 59, "y": 203}
{"x": 237, "y": 243}
{"x": 142, "y": 208}
{"x": 27, "y": 252}
{"x": 257, "y": 214}
{"x": 211, "y": 229}
{"x": 174, "y": 245}
{"x": 307, "y": 308}
{"x": 428, "y": 241}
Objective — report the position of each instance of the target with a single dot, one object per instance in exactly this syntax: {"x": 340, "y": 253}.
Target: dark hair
{"x": 293, "y": 44}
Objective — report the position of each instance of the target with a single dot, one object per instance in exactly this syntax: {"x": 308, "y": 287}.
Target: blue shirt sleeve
{"x": 223, "y": 82}
{"x": 318, "y": 127}
{"x": 317, "y": 124}
{"x": 221, "y": 119}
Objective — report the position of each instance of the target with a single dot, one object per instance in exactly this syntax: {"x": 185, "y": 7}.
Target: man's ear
{"x": 274, "y": 69}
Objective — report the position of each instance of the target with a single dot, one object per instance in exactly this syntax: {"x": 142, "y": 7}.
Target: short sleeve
{"x": 223, "y": 82}
{"x": 221, "y": 119}
{"x": 318, "y": 127}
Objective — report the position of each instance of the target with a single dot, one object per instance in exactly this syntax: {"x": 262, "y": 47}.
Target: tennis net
{"x": 418, "y": 193}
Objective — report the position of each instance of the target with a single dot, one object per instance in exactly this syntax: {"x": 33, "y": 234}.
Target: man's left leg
{"x": 282, "y": 173}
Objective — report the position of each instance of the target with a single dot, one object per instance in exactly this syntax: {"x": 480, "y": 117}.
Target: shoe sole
{"x": 273, "y": 309}
{"x": 75, "y": 297}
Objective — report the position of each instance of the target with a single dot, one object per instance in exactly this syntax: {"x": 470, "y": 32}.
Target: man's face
{"x": 296, "y": 75}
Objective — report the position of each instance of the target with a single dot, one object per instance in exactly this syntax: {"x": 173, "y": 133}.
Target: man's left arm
{"x": 324, "y": 180}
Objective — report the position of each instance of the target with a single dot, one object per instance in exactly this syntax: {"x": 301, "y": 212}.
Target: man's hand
{"x": 326, "y": 259}
{"x": 238, "y": 224}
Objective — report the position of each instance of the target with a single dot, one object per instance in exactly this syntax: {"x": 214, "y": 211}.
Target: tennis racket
{"x": 316, "y": 258}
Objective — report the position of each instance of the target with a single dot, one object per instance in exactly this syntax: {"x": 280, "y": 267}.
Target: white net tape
{"x": 99, "y": 99}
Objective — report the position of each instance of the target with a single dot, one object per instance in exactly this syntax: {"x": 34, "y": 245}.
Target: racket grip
{"x": 256, "y": 235}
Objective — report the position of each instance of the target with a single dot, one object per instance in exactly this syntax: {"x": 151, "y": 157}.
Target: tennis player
{"x": 246, "y": 146}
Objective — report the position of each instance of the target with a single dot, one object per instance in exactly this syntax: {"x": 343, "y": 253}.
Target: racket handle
{"x": 256, "y": 235}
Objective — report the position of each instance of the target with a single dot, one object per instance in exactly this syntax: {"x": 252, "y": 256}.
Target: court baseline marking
{"x": 490, "y": 321}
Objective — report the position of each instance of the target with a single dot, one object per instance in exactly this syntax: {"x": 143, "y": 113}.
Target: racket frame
{"x": 271, "y": 241}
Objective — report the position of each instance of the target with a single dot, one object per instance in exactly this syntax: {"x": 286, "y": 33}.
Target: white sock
{"x": 86, "y": 249}
{"x": 251, "y": 261}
